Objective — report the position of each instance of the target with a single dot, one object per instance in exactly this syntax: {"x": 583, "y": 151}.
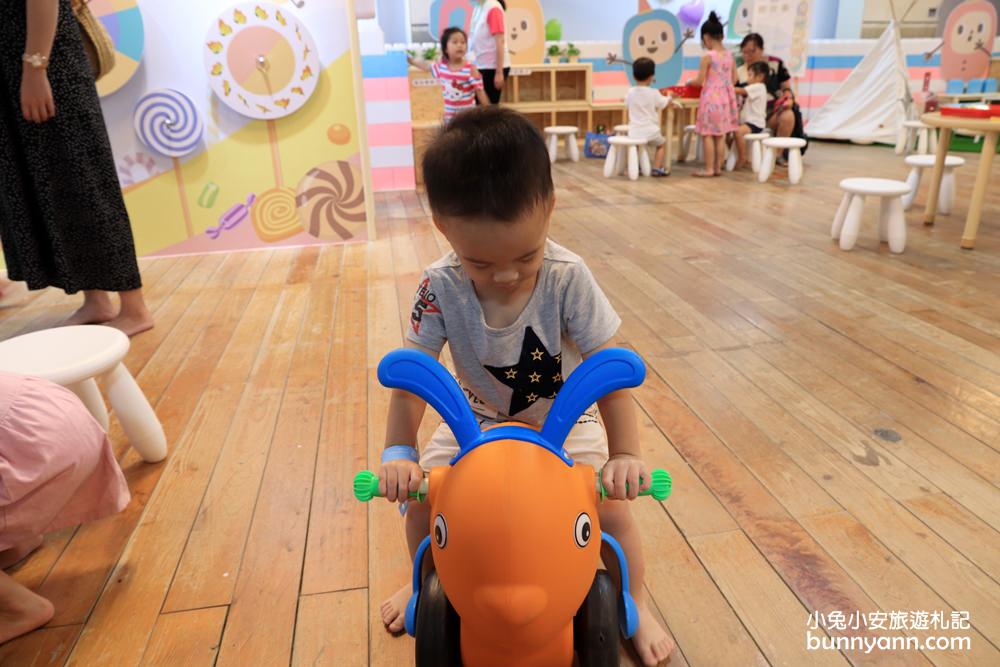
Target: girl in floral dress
{"x": 718, "y": 114}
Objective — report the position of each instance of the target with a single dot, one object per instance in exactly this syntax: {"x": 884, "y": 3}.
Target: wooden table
{"x": 948, "y": 124}
{"x": 687, "y": 108}
{"x": 952, "y": 98}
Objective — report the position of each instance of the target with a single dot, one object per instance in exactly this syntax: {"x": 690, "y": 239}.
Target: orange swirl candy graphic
{"x": 274, "y": 216}
{"x": 331, "y": 200}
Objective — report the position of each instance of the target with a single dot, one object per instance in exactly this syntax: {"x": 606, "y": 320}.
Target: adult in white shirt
{"x": 488, "y": 44}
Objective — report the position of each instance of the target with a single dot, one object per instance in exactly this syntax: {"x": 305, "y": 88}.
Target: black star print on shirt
{"x": 536, "y": 375}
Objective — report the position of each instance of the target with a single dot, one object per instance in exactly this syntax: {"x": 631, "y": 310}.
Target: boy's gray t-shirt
{"x": 514, "y": 373}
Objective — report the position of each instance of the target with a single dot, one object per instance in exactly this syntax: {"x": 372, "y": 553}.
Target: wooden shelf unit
{"x": 547, "y": 94}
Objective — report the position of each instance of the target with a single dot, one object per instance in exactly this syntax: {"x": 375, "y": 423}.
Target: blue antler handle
{"x": 599, "y": 375}
{"x": 420, "y": 374}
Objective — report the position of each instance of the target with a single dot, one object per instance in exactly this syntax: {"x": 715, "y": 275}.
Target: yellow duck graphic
{"x": 239, "y": 16}
{"x": 281, "y": 19}
{"x": 306, "y": 73}
{"x": 261, "y": 14}
{"x": 226, "y": 88}
{"x": 215, "y": 47}
{"x": 298, "y": 90}
{"x": 282, "y": 103}
{"x": 305, "y": 52}
{"x": 242, "y": 99}
{"x": 224, "y": 28}
{"x": 263, "y": 108}
{"x": 216, "y": 69}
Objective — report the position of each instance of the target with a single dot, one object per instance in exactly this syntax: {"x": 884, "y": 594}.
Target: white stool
{"x": 756, "y": 154}
{"x": 926, "y": 138}
{"x": 638, "y": 158}
{"x": 771, "y": 148}
{"x": 73, "y": 357}
{"x": 689, "y": 132}
{"x": 621, "y": 130}
{"x": 569, "y": 133}
{"x": 891, "y": 223}
{"x": 946, "y": 197}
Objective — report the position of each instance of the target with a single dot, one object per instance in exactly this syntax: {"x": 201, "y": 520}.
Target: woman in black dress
{"x": 63, "y": 221}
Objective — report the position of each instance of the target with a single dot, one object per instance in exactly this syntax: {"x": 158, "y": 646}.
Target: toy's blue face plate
{"x": 739, "y": 19}
{"x": 654, "y": 35}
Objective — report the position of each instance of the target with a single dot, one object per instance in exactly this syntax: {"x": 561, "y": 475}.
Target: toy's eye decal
{"x": 663, "y": 37}
{"x": 642, "y": 41}
{"x": 961, "y": 29}
{"x": 582, "y": 530}
{"x": 441, "y": 531}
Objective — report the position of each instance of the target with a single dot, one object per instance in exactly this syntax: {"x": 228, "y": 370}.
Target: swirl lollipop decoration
{"x": 168, "y": 122}
{"x": 274, "y": 216}
{"x": 331, "y": 201}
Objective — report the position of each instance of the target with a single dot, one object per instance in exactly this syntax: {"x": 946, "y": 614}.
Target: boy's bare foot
{"x": 394, "y": 610}
{"x": 131, "y": 326}
{"x": 21, "y": 610}
{"x": 651, "y": 641}
{"x": 703, "y": 174}
{"x": 18, "y": 552}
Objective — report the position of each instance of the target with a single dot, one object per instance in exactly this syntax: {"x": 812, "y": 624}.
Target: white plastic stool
{"x": 891, "y": 223}
{"x": 74, "y": 357}
{"x": 637, "y": 157}
{"x": 771, "y": 148}
{"x": 926, "y": 138}
{"x": 621, "y": 130}
{"x": 946, "y": 197}
{"x": 569, "y": 133}
{"x": 756, "y": 154}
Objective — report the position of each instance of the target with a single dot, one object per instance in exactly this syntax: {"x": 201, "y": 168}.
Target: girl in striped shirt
{"x": 461, "y": 83}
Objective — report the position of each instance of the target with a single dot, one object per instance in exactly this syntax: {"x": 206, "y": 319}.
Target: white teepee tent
{"x": 873, "y": 101}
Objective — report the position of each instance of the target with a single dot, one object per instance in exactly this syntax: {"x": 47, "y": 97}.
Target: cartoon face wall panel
{"x": 525, "y": 32}
{"x": 739, "y": 19}
{"x": 654, "y": 35}
{"x": 447, "y": 13}
{"x": 968, "y": 41}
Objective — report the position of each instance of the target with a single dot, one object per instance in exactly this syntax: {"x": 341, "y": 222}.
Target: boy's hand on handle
{"x": 398, "y": 479}
{"x": 621, "y": 476}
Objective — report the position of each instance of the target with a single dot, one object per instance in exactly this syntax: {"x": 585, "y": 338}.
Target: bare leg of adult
{"x": 21, "y": 610}
{"x": 96, "y": 309}
{"x": 134, "y": 317}
{"x": 786, "y": 123}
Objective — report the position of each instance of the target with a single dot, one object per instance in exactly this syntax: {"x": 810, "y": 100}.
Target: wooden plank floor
{"x": 831, "y": 420}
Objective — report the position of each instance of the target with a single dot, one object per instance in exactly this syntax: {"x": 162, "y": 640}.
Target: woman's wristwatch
{"x": 36, "y": 60}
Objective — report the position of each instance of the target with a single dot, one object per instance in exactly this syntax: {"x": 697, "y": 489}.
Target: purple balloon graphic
{"x": 691, "y": 13}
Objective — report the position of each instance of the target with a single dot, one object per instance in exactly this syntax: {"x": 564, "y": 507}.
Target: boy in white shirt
{"x": 753, "y": 114}
{"x": 644, "y": 106}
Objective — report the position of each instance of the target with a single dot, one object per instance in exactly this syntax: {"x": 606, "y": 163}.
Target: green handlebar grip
{"x": 366, "y": 487}
{"x": 659, "y": 489}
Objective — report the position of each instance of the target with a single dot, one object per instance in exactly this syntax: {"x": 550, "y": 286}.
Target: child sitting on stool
{"x": 644, "y": 106}
{"x": 753, "y": 114}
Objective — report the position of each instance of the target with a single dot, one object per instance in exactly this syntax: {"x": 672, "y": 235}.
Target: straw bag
{"x": 96, "y": 41}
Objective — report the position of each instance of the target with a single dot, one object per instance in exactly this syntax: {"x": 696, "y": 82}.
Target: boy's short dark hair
{"x": 643, "y": 69}
{"x": 488, "y": 162}
{"x": 760, "y": 68}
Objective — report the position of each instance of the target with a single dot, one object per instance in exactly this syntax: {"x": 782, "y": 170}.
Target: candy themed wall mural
{"x": 654, "y": 34}
{"x": 240, "y": 128}
{"x": 123, "y": 21}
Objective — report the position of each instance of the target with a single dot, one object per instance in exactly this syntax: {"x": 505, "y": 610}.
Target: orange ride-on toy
{"x": 514, "y": 531}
